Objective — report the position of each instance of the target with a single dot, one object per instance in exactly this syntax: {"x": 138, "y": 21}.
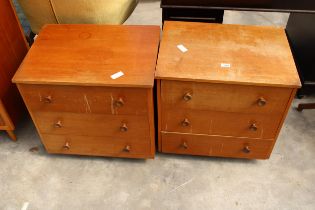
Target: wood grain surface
{"x": 76, "y": 106}
{"x": 84, "y": 99}
{"x": 228, "y": 94}
{"x": 257, "y": 55}
{"x": 64, "y": 123}
{"x": 260, "y": 126}
{"x": 90, "y": 54}
{"x": 97, "y": 146}
{"x": 13, "y": 48}
{"x": 224, "y": 97}
{"x": 216, "y": 146}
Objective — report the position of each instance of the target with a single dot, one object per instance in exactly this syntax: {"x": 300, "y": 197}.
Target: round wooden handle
{"x": 184, "y": 145}
{"x": 47, "y": 99}
{"x": 127, "y": 148}
{"x": 187, "y": 96}
{"x": 185, "y": 122}
{"x": 261, "y": 101}
{"x": 119, "y": 102}
{"x": 123, "y": 127}
{"x": 246, "y": 149}
{"x": 253, "y": 127}
{"x": 66, "y": 146}
{"x": 58, "y": 124}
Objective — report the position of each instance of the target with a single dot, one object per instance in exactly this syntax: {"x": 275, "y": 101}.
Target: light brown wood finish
{"x": 92, "y": 53}
{"x": 221, "y": 123}
{"x": 79, "y": 99}
{"x": 216, "y": 146}
{"x": 6, "y": 122}
{"x": 159, "y": 113}
{"x": 13, "y": 48}
{"x": 224, "y": 97}
{"x": 92, "y": 124}
{"x": 75, "y": 105}
{"x": 100, "y": 146}
{"x": 228, "y": 112}
{"x": 258, "y": 55}
{"x": 293, "y": 94}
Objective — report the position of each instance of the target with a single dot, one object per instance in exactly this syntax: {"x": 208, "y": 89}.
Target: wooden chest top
{"x": 90, "y": 54}
{"x": 231, "y": 54}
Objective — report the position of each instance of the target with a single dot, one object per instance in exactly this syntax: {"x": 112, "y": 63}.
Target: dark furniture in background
{"x": 301, "y": 33}
{"x": 301, "y": 107}
{"x": 300, "y": 28}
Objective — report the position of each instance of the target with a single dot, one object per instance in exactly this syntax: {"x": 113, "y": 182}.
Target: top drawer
{"x": 77, "y": 99}
{"x": 222, "y": 97}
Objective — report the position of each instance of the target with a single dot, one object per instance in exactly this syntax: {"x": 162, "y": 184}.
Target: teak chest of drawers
{"x": 68, "y": 83}
{"x": 229, "y": 94}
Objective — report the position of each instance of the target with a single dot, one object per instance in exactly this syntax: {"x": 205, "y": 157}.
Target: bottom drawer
{"x": 216, "y": 146}
{"x": 97, "y": 146}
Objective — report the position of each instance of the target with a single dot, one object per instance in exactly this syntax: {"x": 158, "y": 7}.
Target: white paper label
{"x": 25, "y": 206}
{"x": 117, "y": 75}
{"x": 225, "y": 65}
{"x": 182, "y": 48}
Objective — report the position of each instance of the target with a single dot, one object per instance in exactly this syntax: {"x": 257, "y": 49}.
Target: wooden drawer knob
{"x": 119, "y": 103}
{"x": 253, "y": 127}
{"x": 187, "y": 96}
{"x": 261, "y": 101}
{"x": 127, "y": 148}
{"x": 66, "y": 146}
{"x": 58, "y": 124}
{"x": 246, "y": 149}
{"x": 123, "y": 127}
{"x": 185, "y": 122}
{"x": 48, "y": 99}
{"x": 184, "y": 145}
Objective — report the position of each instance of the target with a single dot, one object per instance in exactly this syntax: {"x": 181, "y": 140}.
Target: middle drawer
{"x": 92, "y": 124}
{"x": 260, "y": 126}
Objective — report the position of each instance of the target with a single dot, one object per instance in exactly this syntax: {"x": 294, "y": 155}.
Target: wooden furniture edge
{"x": 151, "y": 121}
{"x": 9, "y": 126}
{"x": 17, "y": 81}
{"x": 31, "y": 114}
{"x": 228, "y": 82}
{"x": 285, "y": 113}
{"x": 159, "y": 110}
{"x": 20, "y": 26}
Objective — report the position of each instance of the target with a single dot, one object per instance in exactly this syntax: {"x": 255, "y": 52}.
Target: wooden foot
{"x": 306, "y": 106}
{"x": 11, "y": 135}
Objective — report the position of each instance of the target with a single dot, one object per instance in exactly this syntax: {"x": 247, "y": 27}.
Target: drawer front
{"x": 221, "y": 97}
{"x": 92, "y": 124}
{"x": 216, "y": 146}
{"x": 97, "y": 146}
{"x": 221, "y": 123}
{"x": 99, "y": 100}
